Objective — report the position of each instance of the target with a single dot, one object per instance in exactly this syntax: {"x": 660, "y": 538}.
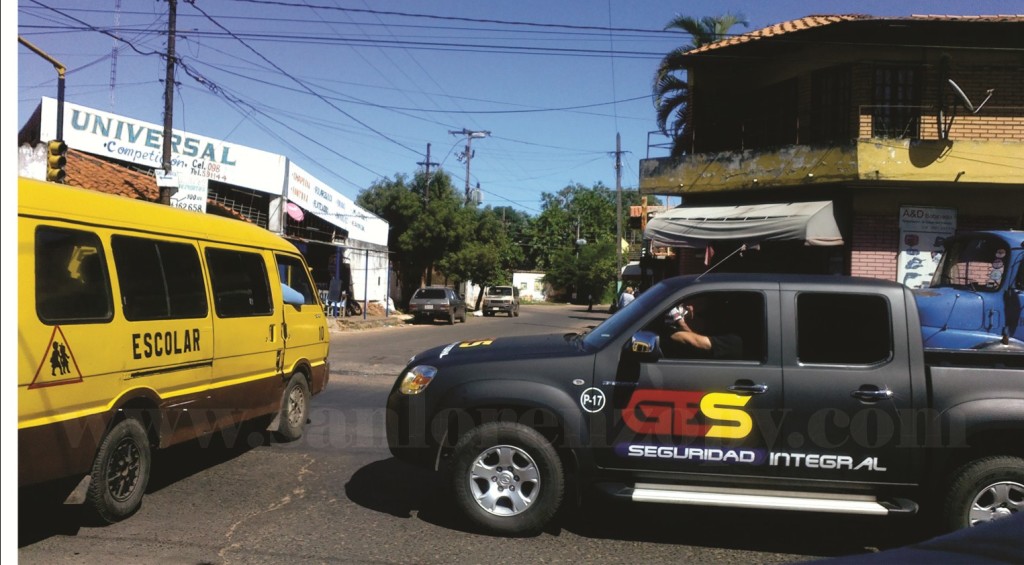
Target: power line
{"x": 301, "y": 83}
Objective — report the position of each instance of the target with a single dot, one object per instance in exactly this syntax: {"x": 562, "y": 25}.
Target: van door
{"x": 305, "y": 324}
{"x": 248, "y": 338}
{"x": 169, "y": 333}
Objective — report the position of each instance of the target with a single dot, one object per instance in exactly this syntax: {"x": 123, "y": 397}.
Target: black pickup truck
{"x": 821, "y": 399}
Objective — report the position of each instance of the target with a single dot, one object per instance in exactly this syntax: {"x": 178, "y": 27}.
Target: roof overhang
{"x": 811, "y": 222}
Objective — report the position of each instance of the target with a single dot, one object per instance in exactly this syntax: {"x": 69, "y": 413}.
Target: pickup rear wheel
{"x": 508, "y": 479}
{"x": 120, "y": 472}
{"x": 985, "y": 490}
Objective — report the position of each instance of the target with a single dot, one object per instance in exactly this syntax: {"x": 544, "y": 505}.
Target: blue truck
{"x": 976, "y": 297}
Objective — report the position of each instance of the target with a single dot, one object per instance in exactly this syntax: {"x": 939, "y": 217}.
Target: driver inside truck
{"x": 683, "y": 340}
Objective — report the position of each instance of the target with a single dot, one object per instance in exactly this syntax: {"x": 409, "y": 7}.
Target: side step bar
{"x": 767, "y": 499}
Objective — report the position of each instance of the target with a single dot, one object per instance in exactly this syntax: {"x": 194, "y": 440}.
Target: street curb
{"x": 355, "y": 323}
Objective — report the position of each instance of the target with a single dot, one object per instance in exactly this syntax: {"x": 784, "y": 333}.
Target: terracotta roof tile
{"x": 815, "y": 21}
{"x": 94, "y": 173}
{"x": 91, "y": 172}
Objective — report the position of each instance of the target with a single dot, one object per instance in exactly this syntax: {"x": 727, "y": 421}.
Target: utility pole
{"x": 470, "y": 135}
{"x": 426, "y": 187}
{"x": 618, "y": 214}
{"x": 172, "y": 16}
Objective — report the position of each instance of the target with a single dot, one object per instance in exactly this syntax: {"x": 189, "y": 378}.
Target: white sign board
{"x": 135, "y": 141}
{"x": 922, "y": 232}
{"x": 192, "y": 193}
{"x": 310, "y": 194}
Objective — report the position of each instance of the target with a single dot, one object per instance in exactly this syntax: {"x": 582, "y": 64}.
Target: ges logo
{"x": 670, "y": 412}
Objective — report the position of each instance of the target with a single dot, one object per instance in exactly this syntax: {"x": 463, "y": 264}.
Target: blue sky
{"x": 354, "y": 90}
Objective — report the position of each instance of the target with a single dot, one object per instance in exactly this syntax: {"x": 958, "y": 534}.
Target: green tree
{"x": 586, "y": 271}
{"x": 422, "y": 231}
{"x": 577, "y": 213}
{"x": 671, "y": 90}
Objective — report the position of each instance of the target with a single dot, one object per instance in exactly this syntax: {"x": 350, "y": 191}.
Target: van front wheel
{"x": 120, "y": 472}
{"x": 294, "y": 408}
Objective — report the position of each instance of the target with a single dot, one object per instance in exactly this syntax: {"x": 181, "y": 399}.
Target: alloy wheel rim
{"x": 995, "y": 501}
{"x": 504, "y": 480}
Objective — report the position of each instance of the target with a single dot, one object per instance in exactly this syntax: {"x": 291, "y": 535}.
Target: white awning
{"x": 810, "y": 222}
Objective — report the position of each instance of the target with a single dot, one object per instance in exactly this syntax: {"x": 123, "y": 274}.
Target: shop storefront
{"x": 343, "y": 243}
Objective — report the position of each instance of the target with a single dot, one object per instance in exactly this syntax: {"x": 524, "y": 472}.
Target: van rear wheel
{"x": 294, "y": 408}
{"x": 120, "y": 472}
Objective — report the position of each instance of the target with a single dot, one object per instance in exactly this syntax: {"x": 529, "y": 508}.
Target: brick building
{"x": 911, "y": 127}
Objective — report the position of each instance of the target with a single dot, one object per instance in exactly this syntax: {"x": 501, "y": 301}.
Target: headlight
{"x": 416, "y": 379}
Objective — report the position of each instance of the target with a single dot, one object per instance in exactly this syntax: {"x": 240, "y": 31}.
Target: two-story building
{"x": 846, "y": 144}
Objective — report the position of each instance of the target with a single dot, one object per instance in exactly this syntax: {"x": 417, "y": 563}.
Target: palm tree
{"x": 671, "y": 92}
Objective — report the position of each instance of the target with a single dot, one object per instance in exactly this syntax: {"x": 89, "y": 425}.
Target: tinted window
{"x": 431, "y": 293}
{"x": 844, "y": 329}
{"x": 240, "y": 285}
{"x": 72, "y": 283}
{"x": 159, "y": 279}
{"x": 294, "y": 274}
{"x": 500, "y": 291}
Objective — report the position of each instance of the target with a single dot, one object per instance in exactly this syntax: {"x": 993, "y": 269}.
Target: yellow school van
{"x": 141, "y": 326}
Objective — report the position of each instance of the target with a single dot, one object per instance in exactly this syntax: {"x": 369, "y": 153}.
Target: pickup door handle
{"x": 871, "y": 394}
{"x": 749, "y": 388}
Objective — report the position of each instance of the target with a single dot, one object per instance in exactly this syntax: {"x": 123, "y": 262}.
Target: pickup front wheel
{"x": 508, "y": 478}
{"x": 985, "y": 490}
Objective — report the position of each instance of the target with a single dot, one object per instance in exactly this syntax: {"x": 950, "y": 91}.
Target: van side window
{"x": 159, "y": 279}
{"x": 843, "y": 329}
{"x": 72, "y": 283}
{"x": 240, "y": 284}
{"x": 294, "y": 274}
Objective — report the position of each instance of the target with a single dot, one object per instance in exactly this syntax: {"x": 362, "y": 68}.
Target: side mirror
{"x": 292, "y": 296}
{"x": 645, "y": 344}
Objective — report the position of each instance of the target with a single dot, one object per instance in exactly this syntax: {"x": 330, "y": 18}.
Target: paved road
{"x": 337, "y": 495}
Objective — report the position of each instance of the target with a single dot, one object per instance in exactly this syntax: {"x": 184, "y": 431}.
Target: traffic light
{"x": 55, "y": 160}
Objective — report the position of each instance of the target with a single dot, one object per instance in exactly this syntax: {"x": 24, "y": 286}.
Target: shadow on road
{"x": 43, "y": 514}
{"x": 403, "y": 490}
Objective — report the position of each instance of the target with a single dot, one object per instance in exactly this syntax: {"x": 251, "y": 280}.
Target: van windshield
{"x": 499, "y": 291}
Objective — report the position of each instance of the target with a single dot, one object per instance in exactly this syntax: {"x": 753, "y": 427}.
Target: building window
{"x": 771, "y": 116}
{"x": 896, "y": 103}
{"x": 830, "y": 106}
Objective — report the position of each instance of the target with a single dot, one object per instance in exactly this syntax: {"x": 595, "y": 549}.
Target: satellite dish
{"x": 967, "y": 101}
